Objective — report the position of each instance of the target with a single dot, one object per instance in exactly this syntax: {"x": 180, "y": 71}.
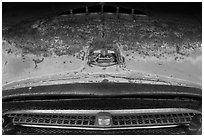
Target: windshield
{"x": 128, "y": 45}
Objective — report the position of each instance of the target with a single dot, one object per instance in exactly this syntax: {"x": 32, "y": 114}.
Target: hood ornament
{"x": 104, "y": 55}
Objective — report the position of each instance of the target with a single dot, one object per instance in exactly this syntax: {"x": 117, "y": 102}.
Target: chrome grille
{"x": 90, "y": 120}
{"x": 151, "y": 119}
{"x": 53, "y": 119}
{"x": 135, "y": 121}
{"x": 51, "y": 131}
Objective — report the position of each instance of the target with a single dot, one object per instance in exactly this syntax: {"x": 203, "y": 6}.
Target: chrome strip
{"x": 98, "y": 128}
{"x": 124, "y": 111}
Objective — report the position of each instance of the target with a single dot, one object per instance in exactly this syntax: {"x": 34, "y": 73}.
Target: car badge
{"x": 104, "y": 120}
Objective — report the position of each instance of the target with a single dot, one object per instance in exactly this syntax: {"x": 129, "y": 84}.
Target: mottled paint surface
{"x": 59, "y": 45}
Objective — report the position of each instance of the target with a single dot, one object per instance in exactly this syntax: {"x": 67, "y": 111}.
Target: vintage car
{"x": 102, "y": 69}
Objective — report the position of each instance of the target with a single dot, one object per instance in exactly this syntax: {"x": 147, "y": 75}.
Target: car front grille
{"x": 54, "y": 119}
{"x": 51, "y": 131}
{"x": 90, "y": 120}
{"x": 151, "y": 119}
{"x": 87, "y": 121}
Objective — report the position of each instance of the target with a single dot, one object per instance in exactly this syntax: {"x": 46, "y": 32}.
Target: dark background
{"x": 14, "y": 12}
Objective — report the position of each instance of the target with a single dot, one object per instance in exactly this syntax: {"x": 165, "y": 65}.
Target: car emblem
{"x": 104, "y": 119}
{"x": 104, "y": 55}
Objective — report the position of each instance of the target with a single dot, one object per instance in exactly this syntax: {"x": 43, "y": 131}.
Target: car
{"x": 102, "y": 69}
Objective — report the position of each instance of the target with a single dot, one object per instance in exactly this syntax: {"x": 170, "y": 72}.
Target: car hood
{"x": 151, "y": 48}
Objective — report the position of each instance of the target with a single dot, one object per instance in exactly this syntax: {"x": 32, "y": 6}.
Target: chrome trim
{"x": 106, "y": 13}
{"x": 123, "y": 111}
{"x": 99, "y": 128}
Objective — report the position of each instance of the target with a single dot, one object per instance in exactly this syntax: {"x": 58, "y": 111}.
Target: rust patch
{"x": 69, "y": 35}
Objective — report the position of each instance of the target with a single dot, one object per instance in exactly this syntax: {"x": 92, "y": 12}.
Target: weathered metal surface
{"x": 61, "y": 44}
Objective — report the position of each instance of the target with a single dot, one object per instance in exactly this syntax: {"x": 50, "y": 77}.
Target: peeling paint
{"x": 68, "y": 35}
{"x": 61, "y": 45}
